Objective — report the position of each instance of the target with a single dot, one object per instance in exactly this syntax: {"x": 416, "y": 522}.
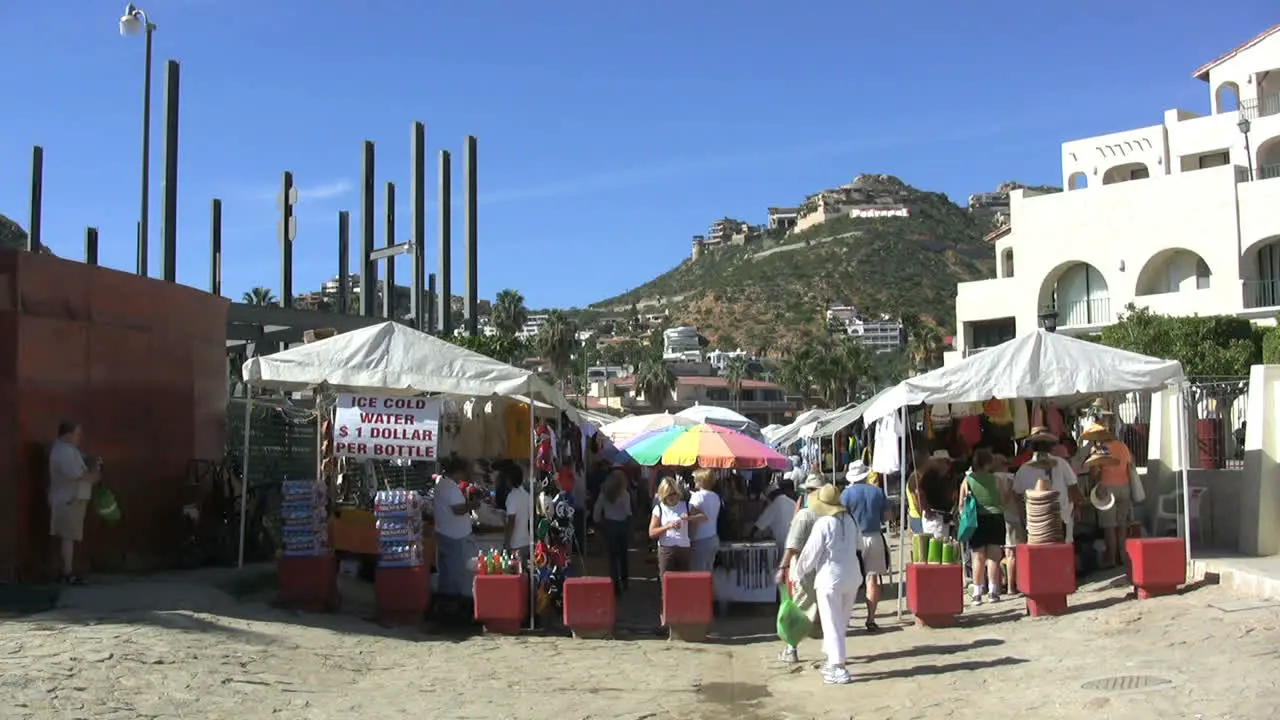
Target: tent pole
{"x": 902, "y": 507}
{"x": 533, "y": 495}
{"x": 244, "y": 471}
{"x": 1185, "y": 460}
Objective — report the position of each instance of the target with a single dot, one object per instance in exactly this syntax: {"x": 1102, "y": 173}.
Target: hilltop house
{"x": 1182, "y": 217}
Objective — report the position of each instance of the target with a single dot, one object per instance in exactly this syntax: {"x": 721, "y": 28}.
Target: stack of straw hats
{"x": 1044, "y": 507}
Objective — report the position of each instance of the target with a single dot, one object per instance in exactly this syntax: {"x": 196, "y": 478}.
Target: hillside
{"x": 770, "y": 293}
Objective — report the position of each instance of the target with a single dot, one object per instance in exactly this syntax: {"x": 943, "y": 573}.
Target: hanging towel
{"x": 997, "y": 412}
{"x": 1021, "y": 423}
{"x": 885, "y": 458}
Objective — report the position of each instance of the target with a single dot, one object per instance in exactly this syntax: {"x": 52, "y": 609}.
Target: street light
{"x": 135, "y": 21}
{"x": 1049, "y": 319}
{"x": 1245, "y": 126}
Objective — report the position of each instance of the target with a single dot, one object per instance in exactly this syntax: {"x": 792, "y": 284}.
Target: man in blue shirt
{"x": 869, "y": 507}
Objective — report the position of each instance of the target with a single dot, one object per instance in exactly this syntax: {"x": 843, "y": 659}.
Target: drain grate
{"x": 1122, "y": 683}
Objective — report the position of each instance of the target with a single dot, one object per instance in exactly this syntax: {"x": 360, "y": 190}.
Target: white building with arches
{"x": 1182, "y": 217}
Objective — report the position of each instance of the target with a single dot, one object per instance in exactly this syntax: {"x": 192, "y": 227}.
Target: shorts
{"x": 1014, "y": 534}
{"x": 989, "y": 533}
{"x": 673, "y": 558}
{"x": 1118, "y": 515}
{"x": 875, "y": 554}
{"x": 66, "y": 520}
{"x": 936, "y": 524}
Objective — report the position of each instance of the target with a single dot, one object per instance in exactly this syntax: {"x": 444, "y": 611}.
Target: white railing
{"x": 1094, "y": 311}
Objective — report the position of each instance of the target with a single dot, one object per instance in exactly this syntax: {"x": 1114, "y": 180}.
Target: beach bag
{"x": 793, "y": 624}
{"x": 968, "y": 517}
{"x": 104, "y": 503}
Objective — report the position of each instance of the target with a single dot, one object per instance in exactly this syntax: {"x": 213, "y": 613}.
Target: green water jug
{"x": 935, "y": 550}
{"x": 920, "y": 548}
{"x": 950, "y": 553}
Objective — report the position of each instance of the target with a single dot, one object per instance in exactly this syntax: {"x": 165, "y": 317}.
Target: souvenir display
{"x": 398, "y": 519}
{"x": 498, "y": 563}
{"x": 304, "y": 522}
{"x": 552, "y": 552}
{"x": 1044, "y": 515}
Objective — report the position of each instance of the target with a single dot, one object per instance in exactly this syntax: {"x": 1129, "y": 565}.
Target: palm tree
{"x": 925, "y": 346}
{"x": 259, "y": 296}
{"x": 854, "y": 365}
{"x": 509, "y": 312}
{"x": 736, "y": 369}
{"x": 795, "y": 370}
{"x": 556, "y": 342}
{"x": 655, "y": 380}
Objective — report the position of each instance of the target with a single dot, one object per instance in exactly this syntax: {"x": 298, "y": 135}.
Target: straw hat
{"x": 1099, "y": 407}
{"x": 1100, "y": 456}
{"x": 826, "y": 502}
{"x": 941, "y": 455}
{"x": 809, "y": 481}
{"x": 1097, "y": 433}
{"x": 1041, "y": 434}
{"x": 1102, "y": 498}
{"x": 1042, "y": 460}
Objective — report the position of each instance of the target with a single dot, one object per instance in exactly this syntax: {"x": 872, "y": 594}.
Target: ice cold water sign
{"x": 373, "y": 427}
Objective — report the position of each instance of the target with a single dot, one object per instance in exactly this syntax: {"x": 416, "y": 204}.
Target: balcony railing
{"x": 1260, "y": 107}
{"x": 1261, "y": 294}
{"x": 1267, "y": 172}
{"x": 1094, "y": 311}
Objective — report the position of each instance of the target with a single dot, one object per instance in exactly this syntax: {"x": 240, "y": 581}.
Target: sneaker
{"x": 837, "y": 676}
{"x": 993, "y": 597}
{"x": 975, "y": 599}
{"x": 789, "y": 655}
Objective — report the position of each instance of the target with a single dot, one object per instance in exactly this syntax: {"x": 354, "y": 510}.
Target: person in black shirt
{"x": 936, "y": 494}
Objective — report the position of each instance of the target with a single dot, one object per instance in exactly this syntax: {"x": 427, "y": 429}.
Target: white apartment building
{"x": 1182, "y": 217}
{"x": 877, "y": 334}
{"x": 532, "y": 324}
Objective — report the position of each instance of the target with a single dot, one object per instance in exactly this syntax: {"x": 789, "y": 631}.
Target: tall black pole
{"x": 215, "y": 246}
{"x": 145, "y": 213}
{"x": 169, "y": 216}
{"x": 37, "y": 199}
{"x": 444, "y": 308}
{"x": 469, "y": 230}
{"x": 344, "y": 254}
{"x": 418, "y": 211}
{"x": 389, "y": 285}
{"x": 91, "y": 246}
{"x": 431, "y": 303}
{"x": 368, "y": 273}
{"x": 288, "y": 232}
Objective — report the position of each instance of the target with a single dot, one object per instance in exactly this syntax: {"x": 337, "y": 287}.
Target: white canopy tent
{"x": 394, "y": 359}
{"x": 795, "y": 431}
{"x": 845, "y": 416}
{"x": 722, "y": 416}
{"x": 1038, "y": 366}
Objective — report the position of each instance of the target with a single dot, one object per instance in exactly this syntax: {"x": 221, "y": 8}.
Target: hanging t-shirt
{"x": 1021, "y": 423}
{"x": 997, "y": 412}
{"x": 885, "y": 458}
{"x": 970, "y": 429}
{"x": 516, "y": 420}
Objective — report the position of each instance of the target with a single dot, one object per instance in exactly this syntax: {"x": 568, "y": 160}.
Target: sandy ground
{"x": 176, "y": 646}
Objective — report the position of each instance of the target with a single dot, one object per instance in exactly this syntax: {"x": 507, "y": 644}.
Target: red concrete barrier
{"x": 1157, "y": 566}
{"x": 935, "y": 593}
{"x": 308, "y": 583}
{"x": 590, "y": 606}
{"x": 1046, "y": 576}
{"x": 687, "y": 599}
{"x": 402, "y": 595}
{"x": 501, "y": 602}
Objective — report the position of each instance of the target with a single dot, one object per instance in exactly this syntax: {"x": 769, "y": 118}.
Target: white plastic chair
{"x": 1167, "y": 513}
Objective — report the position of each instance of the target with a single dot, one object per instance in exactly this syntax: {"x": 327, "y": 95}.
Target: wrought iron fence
{"x": 1134, "y": 414}
{"x": 1216, "y": 410}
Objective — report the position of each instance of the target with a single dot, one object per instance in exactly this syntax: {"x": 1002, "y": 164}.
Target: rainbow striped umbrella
{"x": 708, "y": 446}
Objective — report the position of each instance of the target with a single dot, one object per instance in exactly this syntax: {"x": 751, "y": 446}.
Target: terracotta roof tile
{"x": 1202, "y": 72}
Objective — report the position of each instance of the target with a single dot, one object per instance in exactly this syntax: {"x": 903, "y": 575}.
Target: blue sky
{"x": 609, "y": 133}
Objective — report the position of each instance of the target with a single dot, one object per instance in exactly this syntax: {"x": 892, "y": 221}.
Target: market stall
{"x": 1040, "y": 366}
{"x": 390, "y": 361}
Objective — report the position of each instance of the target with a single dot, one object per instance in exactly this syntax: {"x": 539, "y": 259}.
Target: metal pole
{"x": 215, "y": 247}
{"x": 143, "y": 223}
{"x": 418, "y": 194}
{"x": 344, "y": 254}
{"x": 244, "y": 470}
{"x": 91, "y": 246}
{"x": 169, "y": 193}
{"x": 368, "y": 274}
{"x": 37, "y": 199}
{"x": 389, "y": 284}
{"x": 445, "y": 301}
{"x": 469, "y": 232}
{"x": 431, "y": 303}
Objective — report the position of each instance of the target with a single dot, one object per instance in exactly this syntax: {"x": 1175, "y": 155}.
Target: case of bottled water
{"x": 398, "y": 519}
{"x": 304, "y": 523}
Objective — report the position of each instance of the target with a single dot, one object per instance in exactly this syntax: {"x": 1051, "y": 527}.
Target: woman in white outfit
{"x": 832, "y": 555}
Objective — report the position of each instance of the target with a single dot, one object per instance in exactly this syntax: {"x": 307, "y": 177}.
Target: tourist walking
{"x": 704, "y": 535}
{"x": 612, "y": 513}
{"x": 832, "y": 554}
{"x": 988, "y": 537}
{"x": 801, "y": 585}
{"x": 868, "y": 505}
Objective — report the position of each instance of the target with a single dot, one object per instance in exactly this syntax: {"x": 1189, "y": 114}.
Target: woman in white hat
{"x": 832, "y": 554}
{"x": 802, "y": 522}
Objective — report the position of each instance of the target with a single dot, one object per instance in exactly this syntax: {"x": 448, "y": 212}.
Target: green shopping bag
{"x": 793, "y": 624}
{"x": 104, "y": 503}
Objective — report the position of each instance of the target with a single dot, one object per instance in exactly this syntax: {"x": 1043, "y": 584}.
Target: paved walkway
{"x": 175, "y": 648}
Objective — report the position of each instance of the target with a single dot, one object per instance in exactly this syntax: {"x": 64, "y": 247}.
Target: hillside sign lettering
{"x": 373, "y": 427}
{"x": 879, "y": 212}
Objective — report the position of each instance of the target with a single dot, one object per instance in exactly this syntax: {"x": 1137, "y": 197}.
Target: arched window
{"x": 1006, "y": 263}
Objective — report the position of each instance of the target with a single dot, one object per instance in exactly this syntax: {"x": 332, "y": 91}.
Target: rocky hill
{"x": 772, "y": 292}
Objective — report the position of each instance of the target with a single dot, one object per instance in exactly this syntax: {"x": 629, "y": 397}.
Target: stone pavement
{"x": 175, "y": 648}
